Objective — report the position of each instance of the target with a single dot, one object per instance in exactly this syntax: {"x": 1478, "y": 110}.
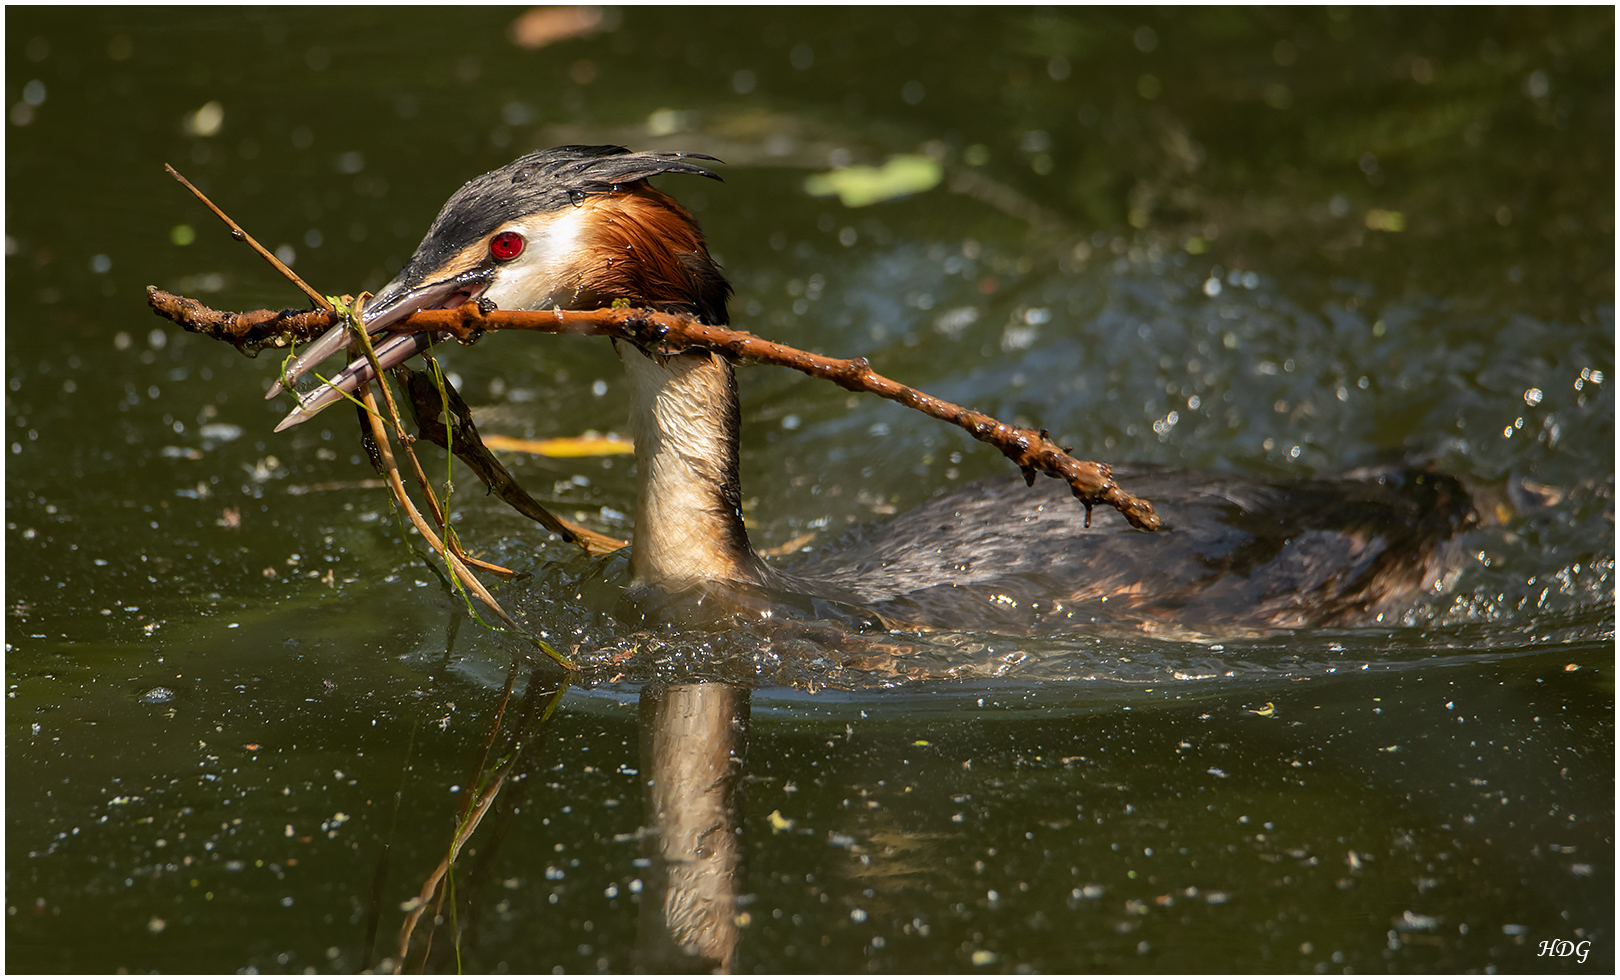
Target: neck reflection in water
{"x": 693, "y": 739}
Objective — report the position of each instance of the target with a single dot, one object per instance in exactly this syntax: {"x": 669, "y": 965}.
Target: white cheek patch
{"x": 550, "y": 253}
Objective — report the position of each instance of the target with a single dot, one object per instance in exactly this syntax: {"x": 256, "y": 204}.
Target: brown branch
{"x": 242, "y": 236}
{"x": 249, "y": 332}
{"x": 1030, "y": 449}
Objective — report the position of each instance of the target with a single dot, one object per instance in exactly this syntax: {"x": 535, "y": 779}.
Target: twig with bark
{"x": 1031, "y": 450}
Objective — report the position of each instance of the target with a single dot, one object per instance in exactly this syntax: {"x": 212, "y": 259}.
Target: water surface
{"x": 243, "y": 713}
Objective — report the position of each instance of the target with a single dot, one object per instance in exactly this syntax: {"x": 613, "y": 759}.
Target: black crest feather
{"x": 547, "y": 180}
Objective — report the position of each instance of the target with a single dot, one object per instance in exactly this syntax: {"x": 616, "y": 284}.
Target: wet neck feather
{"x": 644, "y": 248}
{"x": 684, "y": 420}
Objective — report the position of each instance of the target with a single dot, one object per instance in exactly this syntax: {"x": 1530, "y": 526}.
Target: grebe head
{"x": 573, "y": 227}
{"x": 578, "y": 227}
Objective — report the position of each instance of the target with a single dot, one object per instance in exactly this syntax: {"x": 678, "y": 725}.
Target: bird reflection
{"x": 693, "y": 739}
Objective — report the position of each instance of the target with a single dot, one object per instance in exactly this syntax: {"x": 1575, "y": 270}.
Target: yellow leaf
{"x": 561, "y": 448}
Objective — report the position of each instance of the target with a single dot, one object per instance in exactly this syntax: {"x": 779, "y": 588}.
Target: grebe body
{"x": 580, "y": 228}
{"x": 1235, "y": 553}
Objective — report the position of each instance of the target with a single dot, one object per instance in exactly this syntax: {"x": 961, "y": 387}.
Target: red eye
{"x": 506, "y": 246}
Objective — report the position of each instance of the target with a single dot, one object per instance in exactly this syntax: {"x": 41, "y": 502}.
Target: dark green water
{"x": 1274, "y": 242}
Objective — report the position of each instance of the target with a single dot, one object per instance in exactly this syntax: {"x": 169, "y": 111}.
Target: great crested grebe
{"x": 579, "y": 227}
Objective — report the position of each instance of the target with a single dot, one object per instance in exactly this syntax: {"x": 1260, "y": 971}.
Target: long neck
{"x": 684, "y": 419}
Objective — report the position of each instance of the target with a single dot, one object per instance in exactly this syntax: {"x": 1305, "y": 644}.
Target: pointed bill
{"x": 398, "y": 300}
